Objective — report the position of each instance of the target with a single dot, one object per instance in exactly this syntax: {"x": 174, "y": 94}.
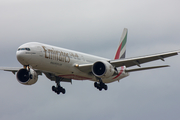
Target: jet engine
{"x": 27, "y": 77}
{"x": 103, "y": 69}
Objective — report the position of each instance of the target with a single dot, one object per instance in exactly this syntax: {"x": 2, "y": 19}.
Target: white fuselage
{"x": 61, "y": 62}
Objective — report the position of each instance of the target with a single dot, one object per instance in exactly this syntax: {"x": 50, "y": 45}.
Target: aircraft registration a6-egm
{"x": 63, "y": 65}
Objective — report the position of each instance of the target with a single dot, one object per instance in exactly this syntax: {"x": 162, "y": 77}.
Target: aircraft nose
{"x": 22, "y": 57}
{"x": 19, "y": 55}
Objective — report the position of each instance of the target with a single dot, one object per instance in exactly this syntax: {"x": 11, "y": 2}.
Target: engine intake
{"x": 27, "y": 77}
{"x": 103, "y": 69}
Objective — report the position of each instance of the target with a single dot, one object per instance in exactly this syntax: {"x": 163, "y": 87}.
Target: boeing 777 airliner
{"x": 63, "y": 65}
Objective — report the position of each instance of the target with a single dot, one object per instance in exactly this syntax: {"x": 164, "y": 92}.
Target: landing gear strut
{"x": 27, "y": 67}
{"x": 58, "y": 89}
{"x": 100, "y": 85}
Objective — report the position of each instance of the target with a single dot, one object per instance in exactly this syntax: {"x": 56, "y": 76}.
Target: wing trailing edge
{"x": 146, "y": 68}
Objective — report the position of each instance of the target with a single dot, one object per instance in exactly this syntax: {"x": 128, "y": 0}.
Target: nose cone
{"x": 19, "y": 56}
{"x": 22, "y": 57}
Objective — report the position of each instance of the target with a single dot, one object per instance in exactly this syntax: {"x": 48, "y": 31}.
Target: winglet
{"x": 121, "y": 50}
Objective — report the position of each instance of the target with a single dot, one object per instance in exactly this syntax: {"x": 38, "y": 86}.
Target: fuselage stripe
{"x": 122, "y": 69}
{"x": 118, "y": 52}
{"x": 72, "y": 76}
{"x": 121, "y": 46}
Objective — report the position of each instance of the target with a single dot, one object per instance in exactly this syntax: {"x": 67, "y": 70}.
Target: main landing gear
{"x": 58, "y": 89}
{"x": 100, "y": 85}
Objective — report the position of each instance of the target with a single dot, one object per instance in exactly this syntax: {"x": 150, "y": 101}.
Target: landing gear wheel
{"x": 105, "y": 87}
{"x": 95, "y": 84}
{"x": 100, "y": 86}
{"x": 63, "y": 91}
{"x": 58, "y": 90}
{"x": 53, "y": 88}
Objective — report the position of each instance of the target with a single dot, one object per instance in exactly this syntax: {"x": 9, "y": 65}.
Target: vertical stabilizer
{"x": 121, "y": 50}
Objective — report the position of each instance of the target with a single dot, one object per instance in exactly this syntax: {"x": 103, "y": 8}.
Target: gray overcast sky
{"x": 94, "y": 27}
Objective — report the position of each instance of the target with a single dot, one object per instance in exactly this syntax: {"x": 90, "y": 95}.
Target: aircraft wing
{"x": 16, "y": 69}
{"x": 51, "y": 76}
{"x": 10, "y": 69}
{"x": 128, "y": 62}
{"x": 140, "y": 60}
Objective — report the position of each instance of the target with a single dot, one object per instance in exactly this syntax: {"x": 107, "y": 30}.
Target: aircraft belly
{"x": 76, "y": 77}
{"x": 54, "y": 67}
{"x": 75, "y": 74}
{"x": 62, "y": 69}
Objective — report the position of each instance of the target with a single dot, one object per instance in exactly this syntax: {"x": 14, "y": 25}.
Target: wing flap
{"x": 146, "y": 68}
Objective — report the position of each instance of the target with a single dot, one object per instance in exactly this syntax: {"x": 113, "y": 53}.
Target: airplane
{"x": 64, "y": 65}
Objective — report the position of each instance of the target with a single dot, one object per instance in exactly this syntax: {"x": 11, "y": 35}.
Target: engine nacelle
{"x": 103, "y": 69}
{"x": 27, "y": 77}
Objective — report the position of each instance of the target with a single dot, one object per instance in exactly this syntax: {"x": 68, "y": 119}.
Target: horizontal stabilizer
{"x": 146, "y": 68}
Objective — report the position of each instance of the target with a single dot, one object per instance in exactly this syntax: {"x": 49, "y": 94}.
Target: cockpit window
{"x": 28, "y": 49}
